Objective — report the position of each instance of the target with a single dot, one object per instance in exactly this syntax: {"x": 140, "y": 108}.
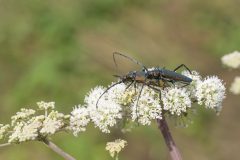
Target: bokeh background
{"x": 58, "y": 50}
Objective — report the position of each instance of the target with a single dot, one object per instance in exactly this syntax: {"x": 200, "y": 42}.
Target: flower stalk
{"x": 173, "y": 150}
{"x": 58, "y": 150}
{"x": 4, "y": 145}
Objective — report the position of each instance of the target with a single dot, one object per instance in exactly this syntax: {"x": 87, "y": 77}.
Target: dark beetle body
{"x": 170, "y": 76}
{"x": 153, "y": 76}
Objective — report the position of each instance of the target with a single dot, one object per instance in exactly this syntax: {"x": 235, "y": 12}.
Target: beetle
{"x": 149, "y": 77}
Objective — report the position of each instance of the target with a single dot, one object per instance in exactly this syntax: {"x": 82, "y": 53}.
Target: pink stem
{"x": 174, "y": 152}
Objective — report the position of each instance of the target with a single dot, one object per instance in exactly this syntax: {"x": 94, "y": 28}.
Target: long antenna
{"x": 106, "y": 91}
{"x": 131, "y": 59}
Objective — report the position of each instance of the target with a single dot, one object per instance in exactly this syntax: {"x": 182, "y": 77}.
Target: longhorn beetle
{"x": 149, "y": 77}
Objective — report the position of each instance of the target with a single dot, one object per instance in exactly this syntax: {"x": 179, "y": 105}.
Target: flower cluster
{"x": 115, "y": 147}
{"x": 119, "y": 102}
{"x": 103, "y": 112}
{"x": 26, "y": 125}
{"x": 79, "y": 120}
{"x": 46, "y": 105}
{"x": 211, "y": 92}
{"x": 142, "y": 104}
{"x": 232, "y": 60}
{"x": 235, "y": 86}
{"x": 147, "y": 107}
{"x": 176, "y": 100}
{"x": 3, "y": 130}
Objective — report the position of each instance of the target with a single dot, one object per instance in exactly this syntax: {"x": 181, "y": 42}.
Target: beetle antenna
{"x": 131, "y": 59}
{"x": 106, "y": 91}
{"x": 115, "y": 75}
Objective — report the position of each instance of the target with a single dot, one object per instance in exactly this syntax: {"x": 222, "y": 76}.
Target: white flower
{"x": 148, "y": 106}
{"x": 176, "y": 100}
{"x": 93, "y": 96}
{"x": 24, "y": 114}
{"x": 115, "y": 93}
{"x": 232, "y": 59}
{"x": 128, "y": 97}
{"x": 235, "y": 86}
{"x": 106, "y": 113}
{"x": 196, "y": 79}
{"x": 211, "y": 93}
{"x": 17, "y": 133}
{"x": 25, "y": 131}
{"x": 79, "y": 119}
{"x": 53, "y": 123}
{"x": 3, "y": 130}
{"x": 46, "y": 105}
{"x": 116, "y": 146}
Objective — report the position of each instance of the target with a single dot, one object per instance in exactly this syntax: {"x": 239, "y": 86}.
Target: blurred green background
{"x": 58, "y": 50}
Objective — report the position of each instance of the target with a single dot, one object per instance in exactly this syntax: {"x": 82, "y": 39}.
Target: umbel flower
{"x": 143, "y": 106}
{"x": 235, "y": 86}
{"x": 119, "y": 103}
{"x": 106, "y": 113}
{"x": 232, "y": 60}
{"x": 78, "y": 120}
{"x": 26, "y": 125}
{"x": 115, "y": 147}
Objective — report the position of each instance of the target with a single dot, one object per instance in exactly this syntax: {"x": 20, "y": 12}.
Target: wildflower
{"x": 115, "y": 147}
{"x": 196, "y": 79}
{"x": 25, "y": 131}
{"x": 128, "y": 97}
{"x": 116, "y": 92}
{"x": 107, "y": 112}
{"x": 46, "y": 105}
{"x": 176, "y": 100}
{"x": 24, "y": 114}
{"x": 211, "y": 92}
{"x": 79, "y": 119}
{"x": 232, "y": 60}
{"x": 53, "y": 123}
{"x": 235, "y": 86}
{"x": 148, "y": 106}
{"x": 3, "y": 130}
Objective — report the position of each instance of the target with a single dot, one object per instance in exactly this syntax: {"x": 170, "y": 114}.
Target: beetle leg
{"x": 182, "y": 65}
{"x": 129, "y": 85}
{"x": 154, "y": 88}
{"x": 138, "y": 100}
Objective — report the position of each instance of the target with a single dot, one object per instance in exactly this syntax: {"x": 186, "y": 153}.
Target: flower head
{"x": 235, "y": 86}
{"x": 211, "y": 93}
{"x": 196, "y": 79}
{"x": 24, "y": 114}
{"x": 79, "y": 119}
{"x": 116, "y": 146}
{"x": 53, "y": 123}
{"x": 106, "y": 113}
{"x": 3, "y": 130}
{"x": 147, "y": 107}
{"x": 232, "y": 60}
{"x": 176, "y": 100}
{"x": 46, "y": 105}
{"x": 26, "y": 130}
